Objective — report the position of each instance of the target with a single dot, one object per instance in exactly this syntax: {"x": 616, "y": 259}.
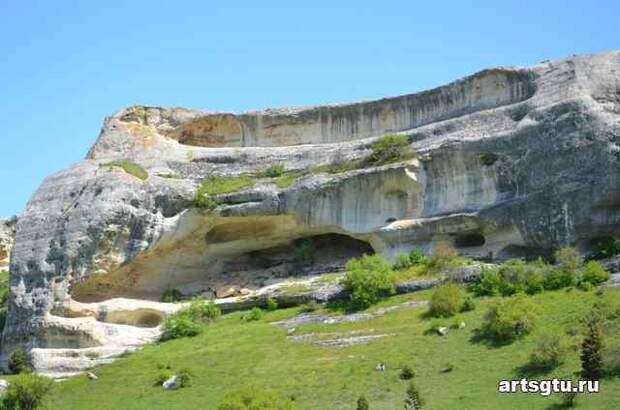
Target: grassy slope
{"x": 230, "y": 352}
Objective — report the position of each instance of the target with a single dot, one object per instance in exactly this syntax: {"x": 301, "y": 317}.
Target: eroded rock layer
{"x": 510, "y": 161}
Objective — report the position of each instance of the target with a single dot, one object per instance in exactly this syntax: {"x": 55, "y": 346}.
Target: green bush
{"x": 367, "y": 279}
{"x": 362, "y": 403}
{"x": 593, "y": 273}
{"x": 413, "y": 399}
{"x": 309, "y": 306}
{"x": 271, "y": 304}
{"x": 607, "y": 247}
{"x": 130, "y": 167}
{"x": 391, "y": 148}
{"x": 26, "y": 392}
{"x": 184, "y": 378}
{"x": 568, "y": 259}
{"x": 201, "y": 310}
{"x": 416, "y": 256}
{"x": 180, "y": 325}
{"x": 557, "y": 278}
{"x": 18, "y": 362}
{"x": 406, "y": 373}
{"x": 468, "y": 305}
{"x": 274, "y": 170}
{"x": 253, "y": 397}
{"x": 402, "y": 261}
{"x": 162, "y": 376}
{"x": 488, "y": 283}
{"x": 509, "y": 318}
{"x": 446, "y": 300}
{"x": 253, "y": 315}
{"x": 443, "y": 254}
{"x": 171, "y": 295}
{"x": 549, "y": 351}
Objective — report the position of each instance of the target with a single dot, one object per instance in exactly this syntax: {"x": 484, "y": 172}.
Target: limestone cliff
{"x": 7, "y": 237}
{"x": 510, "y": 161}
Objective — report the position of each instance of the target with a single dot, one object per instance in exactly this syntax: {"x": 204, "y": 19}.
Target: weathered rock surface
{"x": 511, "y": 161}
{"x": 7, "y": 237}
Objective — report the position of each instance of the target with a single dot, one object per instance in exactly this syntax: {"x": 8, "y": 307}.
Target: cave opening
{"x": 470, "y": 239}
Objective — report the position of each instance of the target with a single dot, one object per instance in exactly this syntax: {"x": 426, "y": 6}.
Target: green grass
{"x": 295, "y": 289}
{"x": 131, "y": 168}
{"x": 224, "y": 184}
{"x": 231, "y": 352}
{"x": 214, "y": 185}
{"x": 287, "y": 178}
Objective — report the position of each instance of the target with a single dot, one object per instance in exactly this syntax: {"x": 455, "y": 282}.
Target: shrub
{"x": 362, "y": 403}
{"x": 607, "y": 247}
{"x": 309, "y": 307}
{"x": 130, "y": 167}
{"x": 549, "y": 351}
{"x": 253, "y": 315}
{"x": 443, "y": 254}
{"x": 402, "y": 261}
{"x": 274, "y": 170}
{"x": 413, "y": 400}
{"x": 367, "y": 279}
{"x": 509, "y": 319}
{"x": 591, "y": 349}
{"x": 171, "y": 295}
{"x": 184, "y": 378}
{"x": 406, "y": 373}
{"x": 391, "y": 148}
{"x": 568, "y": 259}
{"x": 488, "y": 283}
{"x": 416, "y": 256}
{"x": 468, "y": 305}
{"x": 557, "y": 278}
{"x": 18, "y": 362}
{"x": 179, "y": 325}
{"x": 593, "y": 273}
{"x": 446, "y": 300}
{"x": 271, "y": 304}
{"x": 252, "y": 397}
{"x": 26, "y": 392}
{"x": 161, "y": 377}
{"x": 201, "y": 310}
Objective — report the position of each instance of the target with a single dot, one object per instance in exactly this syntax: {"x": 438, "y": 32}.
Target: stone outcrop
{"x": 511, "y": 161}
{"x": 7, "y": 237}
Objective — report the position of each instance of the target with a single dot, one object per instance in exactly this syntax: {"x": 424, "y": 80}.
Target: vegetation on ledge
{"x": 130, "y": 167}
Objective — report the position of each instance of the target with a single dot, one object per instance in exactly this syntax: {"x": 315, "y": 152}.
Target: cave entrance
{"x": 310, "y": 254}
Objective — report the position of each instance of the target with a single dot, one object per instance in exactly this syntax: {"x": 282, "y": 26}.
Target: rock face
{"x": 511, "y": 161}
{"x": 7, "y": 237}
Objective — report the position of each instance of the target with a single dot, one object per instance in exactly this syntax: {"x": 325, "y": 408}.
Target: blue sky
{"x": 64, "y": 65}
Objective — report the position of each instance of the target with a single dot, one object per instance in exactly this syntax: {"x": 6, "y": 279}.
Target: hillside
{"x": 231, "y": 352}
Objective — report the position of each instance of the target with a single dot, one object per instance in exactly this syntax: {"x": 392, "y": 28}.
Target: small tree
{"x": 568, "y": 259}
{"x": 391, "y": 148}
{"x": 26, "y": 392}
{"x": 18, "y": 362}
{"x": 593, "y": 272}
{"x": 591, "y": 349}
{"x": 362, "y": 403}
{"x": 367, "y": 279}
{"x": 446, "y": 300}
{"x": 413, "y": 401}
{"x": 443, "y": 253}
{"x": 509, "y": 318}
{"x": 549, "y": 352}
